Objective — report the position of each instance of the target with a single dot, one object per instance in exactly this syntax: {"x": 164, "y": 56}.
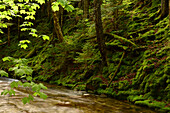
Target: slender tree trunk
{"x": 86, "y": 8}
{"x": 164, "y": 8}
{"x": 169, "y": 14}
{"x": 9, "y": 30}
{"x": 19, "y": 28}
{"x": 61, "y": 16}
{"x": 48, "y": 10}
{"x": 57, "y": 27}
{"x": 99, "y": 30}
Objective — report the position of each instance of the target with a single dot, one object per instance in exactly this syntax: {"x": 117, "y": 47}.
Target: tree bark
{"x": 169, "y": 14}
{"x": 61, "y": 16}
{"x": 164, "y": 8}
{"x": 99, "y": 30}
{"x": 19, "y": 19}
{"x": 9, "y": 32}
{"x": 86, "y": 8}
{"x": 57, "y": 28}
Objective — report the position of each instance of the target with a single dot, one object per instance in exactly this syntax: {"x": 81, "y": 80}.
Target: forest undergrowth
{"x": 138, "y": 49}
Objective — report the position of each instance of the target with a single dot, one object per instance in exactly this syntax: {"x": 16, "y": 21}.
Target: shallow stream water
{"x": 62, "y": 100}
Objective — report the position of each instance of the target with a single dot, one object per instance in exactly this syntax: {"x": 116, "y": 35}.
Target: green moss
{"x": 134, "y": 98}
{"x": 165, "y": 110}
{"x": 151, "y": 104}
{"x": 125, "y": 94}
{"x": 122, "y": 85}
{"x": 80, "y": 87}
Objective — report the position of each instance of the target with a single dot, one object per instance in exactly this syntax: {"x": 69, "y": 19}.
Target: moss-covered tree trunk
{"x": 169, "y": 14}
{"x": 61, "y": 16}
{"x": 164, "y": 8}
{"x": 86, "y": 8}
{"x": 99, "y": 30}
{"x": 57, "y": 27}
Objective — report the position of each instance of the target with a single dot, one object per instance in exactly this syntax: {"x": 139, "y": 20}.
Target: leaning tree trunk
{"x": 164, "y": 8}
{"x": 99, "y": 30}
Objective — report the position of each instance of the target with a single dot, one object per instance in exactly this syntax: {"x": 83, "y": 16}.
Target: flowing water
{"x": 62, "y": 100}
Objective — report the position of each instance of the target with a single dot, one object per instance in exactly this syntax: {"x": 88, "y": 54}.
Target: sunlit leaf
{"x": 42, "y": 86}
{"x": 55, "y": 6}
{"x": 45, "y": 37}
{"x": 69, "y": 8}
{"x": 3, "y": 73}
{"x": 24, "y": 46}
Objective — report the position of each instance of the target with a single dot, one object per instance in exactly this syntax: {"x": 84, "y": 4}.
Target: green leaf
{"x": 26, "y": 84}
{"x": 1, "y": 31}
{"x": 55, "y": 6}
{"x": 24, "y": 46}
{"x": 30, "y": 97}
{"x": 4, "y": 92}
{"x": 33, "y": 34}
{"x": 42, "y": 95}
{"x": 22, "y": 12}
{"x": 63, "y": 3}
{"x": 11, "y": 91}
{"x": 13, "y": 68}
{"x": 69, "y": 8}
{"x": 35, "y": 87}
{"x": 20, "y": 83}
{"x": 14, "y": 84}
{"x": 41, "y": 1}
{"x": 24, "y": 41}
{"x": 25, "y": 100}
{"x": 7, "y": 58}
{"x": 3, "y": 73}
{"x": 30, "y": 17}
{"x": 42, "y": 86}
{"x": 29, "y": 78}
{"x": 36, "y": 93}
{"x": 45, "y": 37}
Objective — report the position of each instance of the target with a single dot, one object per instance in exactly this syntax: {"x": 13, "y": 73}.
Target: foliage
{"x": 21, "y": 69}
{"x": 131, "y": 26}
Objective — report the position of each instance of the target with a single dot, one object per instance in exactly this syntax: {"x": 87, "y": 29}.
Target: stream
{"x": 62, "y": 100}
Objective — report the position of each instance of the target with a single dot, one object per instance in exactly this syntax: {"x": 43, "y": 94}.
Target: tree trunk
{"x": 61, "y": 16}
{"x": 57, "y": 27}
{"x": 164, "y": 8}
{"x": 86, "y": 8}
{"x": 99, "y": 30}
{"x": 169, "y": 14}
{"x": 19, "y": 19}
{"x": 9, "y": 31}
